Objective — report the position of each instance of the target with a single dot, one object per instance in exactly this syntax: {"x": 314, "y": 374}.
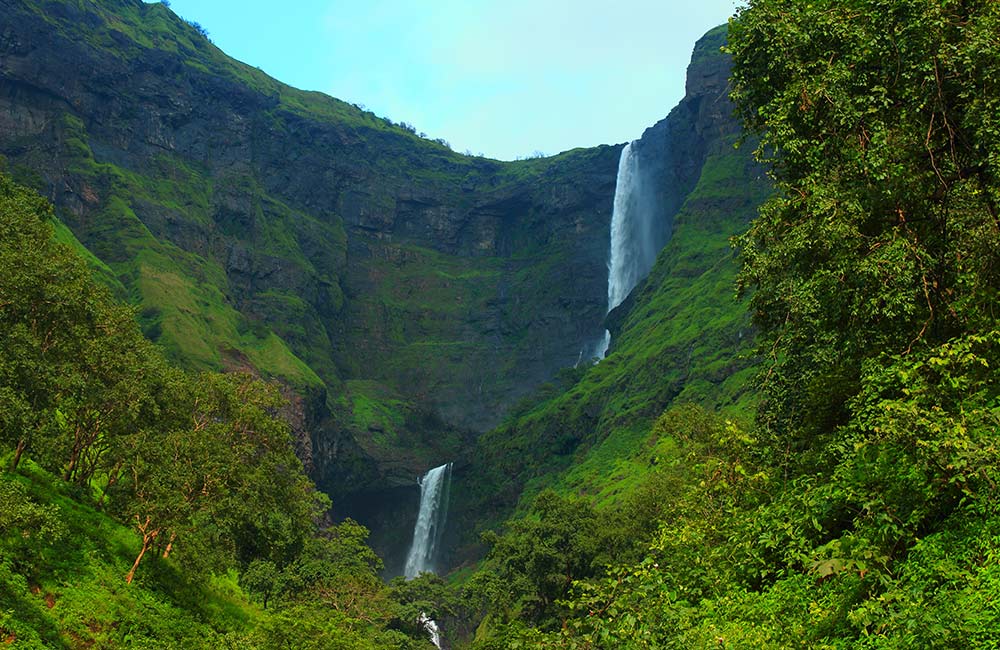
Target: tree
{"x": 45, "y": 295}
{"x": 875, "y": 269}
{"x": 217, "y": 472}
{"x": 535, "y": 562}
{"x": 27, "y": 528}
{"x": 75, "y": 370}
{"x": 167, "y": 475}
{"x": 425, "y": 597}
{"x": 880, "y": 122}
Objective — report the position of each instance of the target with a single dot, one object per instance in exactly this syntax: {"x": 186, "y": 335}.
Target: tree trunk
{"x": 138, "y": 559}
{"x": 170, "y": 546}
{"x": 73, "y": 455}
{"x": 147, "y": 541}
{"x": 21, "y": 444}
{"x": 88, "y": 464}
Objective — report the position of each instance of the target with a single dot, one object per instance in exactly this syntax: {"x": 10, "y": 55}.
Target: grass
{"x": 104, "y": 274}
{"x": 390, "y": 427}
{"x": 377, "y": 412}
{"x": 184, "y": 297}
{"x": 79, "y": 599}
{"x": 709, "y": 45}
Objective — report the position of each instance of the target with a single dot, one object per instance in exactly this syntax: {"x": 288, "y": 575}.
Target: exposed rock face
{"x": 673, "y": 152}
{"x": 676, "y": 146}
{"x": 404, "y": 294}
{"x": 233, "y": 207}
{"x": 679, "y": 336}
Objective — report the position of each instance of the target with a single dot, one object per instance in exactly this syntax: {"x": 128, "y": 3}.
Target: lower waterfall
{"x": 431, "y": 518}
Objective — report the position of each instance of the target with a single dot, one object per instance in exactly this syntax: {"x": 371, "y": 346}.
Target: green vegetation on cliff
{"x": 682, "y": 341}
{"x": 860, "y": 508}
{"x": 789, "y": 445}
{"x": 289, "y": 233}
{"x": 143, "y": 506}
{"x": 682, "y": 336}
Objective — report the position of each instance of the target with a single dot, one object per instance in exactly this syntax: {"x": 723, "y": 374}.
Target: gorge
{"x": 406, "y": 295}
{"x": 407, "y": 298}
{"x": 239, "y": 320}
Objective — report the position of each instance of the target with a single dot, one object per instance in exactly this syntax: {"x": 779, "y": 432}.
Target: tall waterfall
{"x": 636, "y": 234}
{"x": 430, "y": 521}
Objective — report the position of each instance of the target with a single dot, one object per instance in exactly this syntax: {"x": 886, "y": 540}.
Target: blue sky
{"x": 505, "y": 79}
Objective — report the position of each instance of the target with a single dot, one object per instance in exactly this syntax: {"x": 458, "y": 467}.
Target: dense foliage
{"x": 861, "y": 509}
{"x": 140, "y": 504}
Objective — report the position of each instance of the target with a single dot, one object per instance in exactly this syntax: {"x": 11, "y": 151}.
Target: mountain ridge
{"x": 406, "y": 295}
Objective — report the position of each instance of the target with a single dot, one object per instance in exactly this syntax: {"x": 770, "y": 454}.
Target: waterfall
{"x": 431, "y": 519}
{"x": 636, "y": 235}
{"x": 431, "y": 626}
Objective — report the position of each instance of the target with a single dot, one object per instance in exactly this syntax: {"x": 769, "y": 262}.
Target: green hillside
{"x": 238, "y": 299}
{"x": 143, "y": 506}
{"x": 682, "y": 337}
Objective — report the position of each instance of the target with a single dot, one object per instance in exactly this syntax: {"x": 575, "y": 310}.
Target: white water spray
{"x": 431, "y": 626}
{"x": 431, "y": 518}
{"x": 635, "y": 235}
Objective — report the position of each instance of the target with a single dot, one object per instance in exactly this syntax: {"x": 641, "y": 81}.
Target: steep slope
{"x": 681, "y": 336}
{"x": 407, "y": 295}
{"x": 143, "y": 506}
{"x": 859, "y": 509}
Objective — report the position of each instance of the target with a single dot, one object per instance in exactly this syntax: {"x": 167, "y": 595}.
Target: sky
{"x": 504, "y": 79}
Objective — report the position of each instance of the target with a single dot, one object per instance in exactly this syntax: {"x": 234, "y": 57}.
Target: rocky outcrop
{"x": 676, "y": 145}
{"x": 672, "y": 153}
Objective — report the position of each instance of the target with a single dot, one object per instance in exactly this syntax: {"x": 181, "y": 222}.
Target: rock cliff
{"x": 408, "y": 293}
{"x": 405, "y": 295}
{"x": 680, "y": 336}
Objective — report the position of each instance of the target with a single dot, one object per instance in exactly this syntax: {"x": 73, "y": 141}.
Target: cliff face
{"x": 409, "y": 294}
{"x": 679, "y": 337}
{"x": 405, "y": 295}
{"x": 673, "y": 152}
